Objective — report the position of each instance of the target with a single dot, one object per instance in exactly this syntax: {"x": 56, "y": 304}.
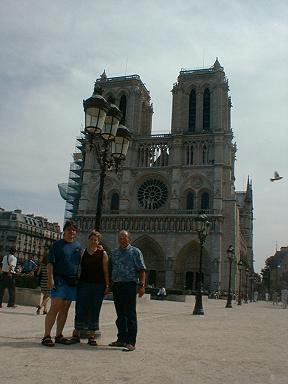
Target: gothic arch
{"x": 154, "y": 259}
{"x": 114, "y": 198}
{"x": 186, "y": 269}
{"x": 204, "y": 199}
{"x": 188, "y": 200}
{"x": 206, "y": 109}
{"x": 192, "y": 111}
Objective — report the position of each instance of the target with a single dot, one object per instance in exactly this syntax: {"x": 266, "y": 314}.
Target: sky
{"x": 52, "y": 52}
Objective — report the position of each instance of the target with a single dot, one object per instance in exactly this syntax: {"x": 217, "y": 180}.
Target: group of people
{"x": 10, "y": 267}
{"x": 86, "y": 276}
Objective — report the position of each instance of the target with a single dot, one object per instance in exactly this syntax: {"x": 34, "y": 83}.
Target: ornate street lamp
{"x": 246, "y": 285}
{"x": 202, "y": 228}
{"x": 231, "y": 257}
{"x": 251, "y": 279}
{"x": 109, "y": 139}
{"x": 240, "y": 267}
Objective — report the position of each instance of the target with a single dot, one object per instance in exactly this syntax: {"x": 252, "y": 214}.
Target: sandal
{"x": 92, "y": 341}
{"x": 60, "y": 339}
{"x": 47, "y": 341}
{"x": 74, "y": 339}
{"x": 117, "y": 343}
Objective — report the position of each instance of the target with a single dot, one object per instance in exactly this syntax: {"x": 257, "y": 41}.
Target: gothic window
{"x": 206, "y": 110}
{"x": 192, "y": 111}
{"x": 123, "y": 107}
{"x": 189, "y": 154}
{"x": 204, "y": 154}
{"x": 190, "y": 200}
{"x": 152, "y": 194}
{"x": 205, "y": 200}
{"x": 114, "y": 204}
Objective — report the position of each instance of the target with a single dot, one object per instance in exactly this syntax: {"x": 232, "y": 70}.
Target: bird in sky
{"x": 276, "y": 177}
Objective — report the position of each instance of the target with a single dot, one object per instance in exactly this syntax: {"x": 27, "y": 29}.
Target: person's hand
{"x": 141, "y": 291}
{"x": 50, "y": 284}
{"x": 107, "y": 290}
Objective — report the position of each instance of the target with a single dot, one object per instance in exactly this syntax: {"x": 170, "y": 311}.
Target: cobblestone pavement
{"x": 246, "y": 344}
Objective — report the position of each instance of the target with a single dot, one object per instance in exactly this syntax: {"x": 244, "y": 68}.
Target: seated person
{"x": 161, "y": 292}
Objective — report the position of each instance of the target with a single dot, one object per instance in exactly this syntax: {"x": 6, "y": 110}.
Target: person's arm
{"x": 50, "y": 282}
{"x": 141, "y": 285}
{"x": 106, "y": 273}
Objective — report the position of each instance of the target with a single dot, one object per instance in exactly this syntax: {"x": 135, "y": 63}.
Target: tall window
{"x": 192, "y": 111}
{"x": 205, "y": 200}
{"x": 114, "y": 206}
{"x": 123, "y": 107}
{"x": 204, "y": 154}
{"x": 190, "y": 200}
{"x": 206, "y": 110}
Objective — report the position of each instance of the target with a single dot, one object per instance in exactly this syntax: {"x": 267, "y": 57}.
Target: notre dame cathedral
{"x": 167, "y": 179}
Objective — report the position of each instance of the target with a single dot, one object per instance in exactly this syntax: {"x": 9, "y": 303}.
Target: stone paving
{"x": 243, "y": 345}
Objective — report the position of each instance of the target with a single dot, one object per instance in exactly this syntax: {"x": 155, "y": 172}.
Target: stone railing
{"x": 155, "y": 224}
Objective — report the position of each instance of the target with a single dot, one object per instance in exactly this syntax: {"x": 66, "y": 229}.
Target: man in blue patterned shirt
{"x": 128, "y": 276}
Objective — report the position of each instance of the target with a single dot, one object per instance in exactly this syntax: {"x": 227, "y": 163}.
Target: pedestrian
{"x": 63, "y": 267}
{"x": 284, "y": 297}
{"x": 128, "y": 276}
{"x": 9, "y": 263}
{"x": 45, "y": 291}
{"x": 275, "y": 298}
{"x": 29, "y": 266}
{"x": 93, "y": 285}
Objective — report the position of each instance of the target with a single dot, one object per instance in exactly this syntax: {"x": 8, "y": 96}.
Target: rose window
{"x": 152, "y": 194}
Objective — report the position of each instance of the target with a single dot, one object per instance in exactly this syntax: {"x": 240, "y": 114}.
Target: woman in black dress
{"x": 93, "y": 285}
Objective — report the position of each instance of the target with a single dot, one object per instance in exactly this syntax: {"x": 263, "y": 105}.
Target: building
{"x": 166, "y": 179}
{"x": 275, "y": 273}
{"x": 29, "y": 234}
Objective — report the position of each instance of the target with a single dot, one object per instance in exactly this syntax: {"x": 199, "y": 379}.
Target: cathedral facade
{"x": 167, "y": 179}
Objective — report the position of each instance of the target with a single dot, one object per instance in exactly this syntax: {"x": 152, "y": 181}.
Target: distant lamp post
{"x": 240, "y": 267}
{"x": 107, "y": 136}
{"x": 202, "y": 228}
{"x": 246, "y": 285}
{"x": 231, "y": 257}
{"x": 251, "y": 279}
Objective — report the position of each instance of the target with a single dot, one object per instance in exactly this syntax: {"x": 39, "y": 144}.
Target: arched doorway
{"x": 186, "y": 270}
{"x": 154, "y": 260}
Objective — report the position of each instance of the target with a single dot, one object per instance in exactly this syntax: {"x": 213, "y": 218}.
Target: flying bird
{"x": 276, "y": 177}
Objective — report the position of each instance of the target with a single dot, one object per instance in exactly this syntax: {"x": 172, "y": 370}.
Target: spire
{"x": 103, "y": 76}
{"x": 217, "y": 65}
{"x": 249, "y": 194}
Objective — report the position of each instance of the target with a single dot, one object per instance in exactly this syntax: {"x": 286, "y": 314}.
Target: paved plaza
{"x": 244, "y": 345}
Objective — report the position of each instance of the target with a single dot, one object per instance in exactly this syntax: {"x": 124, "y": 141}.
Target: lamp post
{"x": 246, "y": 285}
{"x": 230, "y": 256}
{"x": 107, "y": 136}
{"x": 251, "y": 278}
{"x": 240, "y": 266}
{"x": 202, "y": 228}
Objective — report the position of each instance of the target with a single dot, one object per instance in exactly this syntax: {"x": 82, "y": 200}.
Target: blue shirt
{"x": 65, "y": 257}
{"x": 125, "y": 264}
{"x": 28, "y": 266}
